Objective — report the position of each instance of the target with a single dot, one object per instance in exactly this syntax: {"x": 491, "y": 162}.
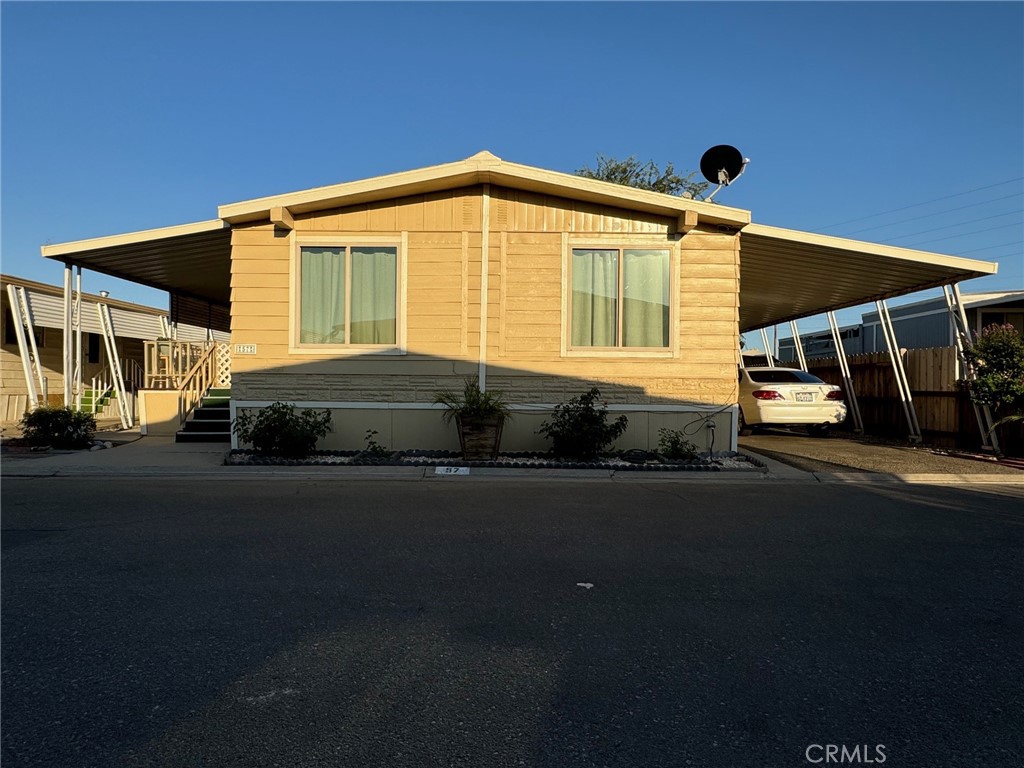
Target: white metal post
{"x": 76, "y": 320}
{"x": 68, "y": 371}
{"x": 110, "y": 341}
{"x": 798, "y": 345}
{"x": 962, "y": 339}
{"x": 29, "y": 354}
{"x": 844, "y": 369}
{"x": 902, "y": 384}
{"x": 767, "y": 348}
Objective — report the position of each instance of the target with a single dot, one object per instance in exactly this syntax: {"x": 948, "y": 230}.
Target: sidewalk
{"x": 135, "y": 455}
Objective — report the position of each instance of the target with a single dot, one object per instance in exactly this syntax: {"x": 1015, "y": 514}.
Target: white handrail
{"x": 197, "y": 382}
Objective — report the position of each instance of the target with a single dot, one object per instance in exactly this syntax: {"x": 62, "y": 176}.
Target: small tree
{"x": 997, "y": 358}
{"x": 632, "y": 173}
{"x": 581, "y": 430}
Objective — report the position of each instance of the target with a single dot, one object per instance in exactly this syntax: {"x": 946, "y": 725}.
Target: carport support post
{"x": 769, "y": 358}
{"x": 885, "y": 321}
{"x": 68, "y": 340}
{"x": 76, "y": 320}
{"x": 844, "y": 368}
{"x": 798, "y": 345}
{"x": 962, "y": 339}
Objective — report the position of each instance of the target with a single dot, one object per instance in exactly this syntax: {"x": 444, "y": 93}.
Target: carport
{"x": 785, "y": 275}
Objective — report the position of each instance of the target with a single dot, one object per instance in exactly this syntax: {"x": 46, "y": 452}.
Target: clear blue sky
{"x": 125, "y": 116}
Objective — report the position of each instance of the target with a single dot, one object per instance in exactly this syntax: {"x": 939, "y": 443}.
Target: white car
{"x": 788, "y": 397}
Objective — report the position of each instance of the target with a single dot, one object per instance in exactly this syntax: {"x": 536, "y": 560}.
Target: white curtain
{"x": 374, "y": 278}
{"x": 595, "y": 279}
{"x": 645, "y": 302}
{"x": 322, "y": 296}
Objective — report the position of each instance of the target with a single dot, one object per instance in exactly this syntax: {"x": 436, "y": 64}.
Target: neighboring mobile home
{"x": 368, "y": 297}
{"x": 918, "y": 325}
{"x": 133, "y": 324}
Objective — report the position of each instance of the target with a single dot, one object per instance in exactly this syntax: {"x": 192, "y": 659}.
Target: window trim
{"x": 620, "y": 244}
{"x": 400, "y": 242}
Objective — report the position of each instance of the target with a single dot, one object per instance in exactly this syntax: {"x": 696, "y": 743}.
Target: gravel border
{"x": 513, "y": 460}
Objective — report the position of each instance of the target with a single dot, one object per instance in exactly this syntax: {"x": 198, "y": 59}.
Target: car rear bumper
{"x": 769, "y": 412}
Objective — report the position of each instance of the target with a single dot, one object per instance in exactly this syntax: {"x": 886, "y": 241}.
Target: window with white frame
{"x": 620, "y": 298}
{"x": 347, "y": 295}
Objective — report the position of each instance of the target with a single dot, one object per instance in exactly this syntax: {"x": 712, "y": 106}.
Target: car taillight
{"x": 835, "y": 394}
{"x": 767, "y": 394}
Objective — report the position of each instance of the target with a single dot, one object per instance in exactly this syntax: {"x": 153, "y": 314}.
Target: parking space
{"x": 845, "y": 452}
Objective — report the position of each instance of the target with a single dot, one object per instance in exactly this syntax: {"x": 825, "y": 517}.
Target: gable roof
{"x": 481, "y": 168}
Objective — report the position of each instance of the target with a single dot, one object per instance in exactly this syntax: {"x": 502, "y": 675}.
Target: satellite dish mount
{"x": 722, "y": 165}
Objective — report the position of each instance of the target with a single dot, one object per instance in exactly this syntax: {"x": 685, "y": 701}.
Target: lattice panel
{"x": 223, "y": 365}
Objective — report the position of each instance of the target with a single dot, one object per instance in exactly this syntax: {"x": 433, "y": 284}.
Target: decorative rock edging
{"x": 413, "y": 458}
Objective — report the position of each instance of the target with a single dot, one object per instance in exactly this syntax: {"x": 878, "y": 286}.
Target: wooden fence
{"x": 944, "y": 410}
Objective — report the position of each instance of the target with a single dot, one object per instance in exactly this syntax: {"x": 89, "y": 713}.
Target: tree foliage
{"x": 633, "y": 173}
{"x": 997, "y": 358}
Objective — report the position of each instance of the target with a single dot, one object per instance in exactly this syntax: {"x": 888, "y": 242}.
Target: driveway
{"x": 843, "y": 452}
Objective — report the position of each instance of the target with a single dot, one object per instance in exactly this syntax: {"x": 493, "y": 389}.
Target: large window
{"x": 348, "y": 295}
{"x": 620, "y": 298}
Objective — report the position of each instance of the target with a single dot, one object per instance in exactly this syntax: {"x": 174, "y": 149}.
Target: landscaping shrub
{"x": 278, "y": 431}
{"x": 581, "y": 430}
{"x": 998, "y": 361}
{"x": 59, "y": 427}
{"x": 673, "y": 445}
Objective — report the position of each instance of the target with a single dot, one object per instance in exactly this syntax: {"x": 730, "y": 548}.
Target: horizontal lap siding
{"x": 439, "y": 280}
{"x": 444, "y": 266}
{"x": 530, "y": 362}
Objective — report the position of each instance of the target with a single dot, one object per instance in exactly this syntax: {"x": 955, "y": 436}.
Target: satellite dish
{"x": 722, "y": 165}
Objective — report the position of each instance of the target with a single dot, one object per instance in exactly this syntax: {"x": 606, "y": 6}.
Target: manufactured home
{"x": 368, "y": 297}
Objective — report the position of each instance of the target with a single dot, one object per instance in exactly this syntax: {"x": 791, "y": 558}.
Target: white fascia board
{"x": 483, "y": 168}
{"x": 132, "y": 238}
{"x": 958, "y": 263}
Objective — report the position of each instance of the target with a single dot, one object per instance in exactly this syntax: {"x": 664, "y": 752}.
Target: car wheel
{"x": 742, "y": 429}
{"x": 818, "y": 430}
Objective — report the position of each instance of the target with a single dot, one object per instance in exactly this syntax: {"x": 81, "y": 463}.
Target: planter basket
{"x": 479, "y": 438}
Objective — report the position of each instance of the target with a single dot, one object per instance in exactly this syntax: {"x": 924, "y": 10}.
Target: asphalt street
{"x": 296, "y": 622}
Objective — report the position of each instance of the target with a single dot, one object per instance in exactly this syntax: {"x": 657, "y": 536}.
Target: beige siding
{"x": 526, "y": 247}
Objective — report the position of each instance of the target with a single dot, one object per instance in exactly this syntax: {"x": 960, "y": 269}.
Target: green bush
{"x": 997, "y": 358}
{"x": 673, "y": 445}
{"x": 278, "y": 431}
{"x": 579, "y": 429}
{"x": 59, "y": 427}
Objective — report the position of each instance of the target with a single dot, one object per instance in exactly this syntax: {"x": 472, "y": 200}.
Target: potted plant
{"x": 479, "y": 417}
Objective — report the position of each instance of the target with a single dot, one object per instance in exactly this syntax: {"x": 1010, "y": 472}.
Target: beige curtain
{"x": 322, "y": 296}
{"x": 595, "y": 278}
{"x": 374, "y": 278}
{"x": 645, "y": 298}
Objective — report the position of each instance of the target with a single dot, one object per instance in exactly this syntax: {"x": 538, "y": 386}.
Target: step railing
{"x": 134, "y": 375}
{"x": 201, "y": 377}
{"x": 102, "y": 385}
{"x": 168, "y": 362}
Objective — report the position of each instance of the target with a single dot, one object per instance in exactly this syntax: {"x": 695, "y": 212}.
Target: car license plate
{"x": 805, "y": 397}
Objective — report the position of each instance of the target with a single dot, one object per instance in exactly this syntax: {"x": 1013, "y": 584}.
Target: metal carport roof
{"x": 787, "y": 274}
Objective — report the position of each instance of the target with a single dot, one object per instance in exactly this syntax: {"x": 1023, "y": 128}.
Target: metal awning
{"x": 190, "y": 260}
{"x": 786, "y": 274}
